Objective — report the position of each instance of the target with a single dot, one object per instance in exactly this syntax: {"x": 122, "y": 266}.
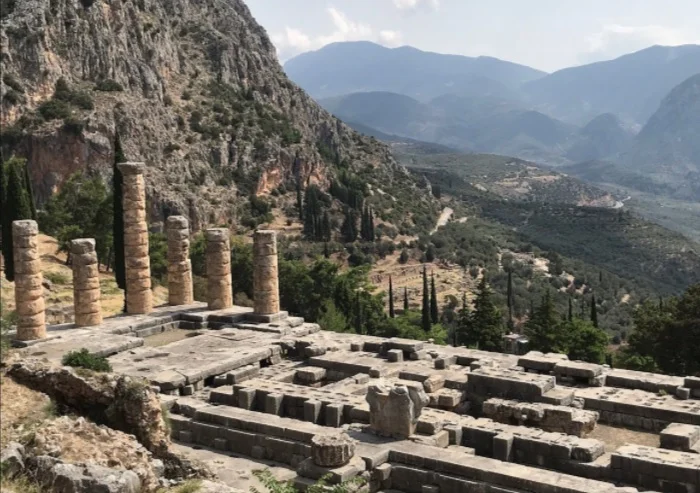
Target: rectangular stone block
{"x": 394, "y": 355}
{"x": 273, "y": 404}
{"x": 246, "y": 398}
{"x": 334, "y": 415}
{"x": 503, "y": 447}
{"x": 312, "y": 411}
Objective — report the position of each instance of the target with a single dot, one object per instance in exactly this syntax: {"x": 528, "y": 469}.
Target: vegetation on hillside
{"x": 666, "y": 336}
{"x": 16, "y": 203}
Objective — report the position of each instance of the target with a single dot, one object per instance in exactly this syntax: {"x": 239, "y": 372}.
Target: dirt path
{"x": 444, "y": 218}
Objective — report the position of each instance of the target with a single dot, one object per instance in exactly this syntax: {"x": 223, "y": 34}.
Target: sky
{"x": 544, "y": 34}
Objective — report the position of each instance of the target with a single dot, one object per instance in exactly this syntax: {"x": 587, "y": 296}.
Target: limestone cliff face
{"x": 204, "y": 103}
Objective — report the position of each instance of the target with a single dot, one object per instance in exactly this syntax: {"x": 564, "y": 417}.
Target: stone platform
{"x": 264, "y": 388}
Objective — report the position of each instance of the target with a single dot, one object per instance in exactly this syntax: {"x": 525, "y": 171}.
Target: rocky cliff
{"x": 191, "y": 87}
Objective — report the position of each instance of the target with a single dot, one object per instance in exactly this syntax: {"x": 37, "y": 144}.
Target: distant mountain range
{"x": 343, "y": 68}
{"x": 588, "y": 114}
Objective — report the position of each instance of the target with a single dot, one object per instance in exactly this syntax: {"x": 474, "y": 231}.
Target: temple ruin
{"x": 402, "y": 414}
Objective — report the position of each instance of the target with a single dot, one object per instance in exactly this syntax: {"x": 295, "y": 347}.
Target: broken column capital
{"x": 131, "y": 168}
{"x": 333, "y": 450}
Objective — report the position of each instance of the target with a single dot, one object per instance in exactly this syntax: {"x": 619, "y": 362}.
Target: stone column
{"x": 139, "y": 297}
{"x": 266, "y": 291}
{"x": 394, "y": 411}
{"x": 180, "y": 291}
{"x": 29, "y": 289}
{"x": 219, "y": 294}
{"x": 332, "y": 450}
{"x": 86, "y": 283}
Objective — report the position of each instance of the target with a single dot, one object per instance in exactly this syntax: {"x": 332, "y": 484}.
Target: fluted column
{"x": 86, "y": 283}
{"x": 266, "y": 292}
{"x": 29, "y": 289}
{"x": 218, "y": 258}
{"x": 139, "y": 297}
{"x": 180, "y": 291}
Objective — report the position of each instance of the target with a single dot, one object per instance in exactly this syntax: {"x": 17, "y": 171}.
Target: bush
{"x": 54, "y": 109}
{"x": 82, "y": 100}
{"x": 73, "y": 126}
{"x": 109, "y": 85}
{"x": 13, "y": 97}
{"x": 12, "y": 83}
{"x": 83, "y": 359}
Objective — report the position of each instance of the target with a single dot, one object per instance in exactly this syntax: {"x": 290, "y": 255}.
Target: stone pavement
{"x": 492, "y": 422}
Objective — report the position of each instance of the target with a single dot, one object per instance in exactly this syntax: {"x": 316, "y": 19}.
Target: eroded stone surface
{"x": 332, "y": 450}
{"x": 29, "y": 291}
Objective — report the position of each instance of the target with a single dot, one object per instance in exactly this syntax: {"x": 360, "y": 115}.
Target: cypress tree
{"x": 425, "y": 313}
{"x": 434, "y": 315}
{"x": 30, "y": 191}
{"x": 406, "y": 306}
{"x": 370, "y": 223}
{"x": 118, "y": 218}
{"x": 15, "y": 207}
{"x": 392, "y": 314}
{"x": 486, "y": 323}
{"x": 463, "y": 323}
{"x": 326, "y": 227}
{"x": 349, "y": 228}
{"x": 571, "y": 309}
{"x": 509, "y": 296}
{"x": 326, "y": 251}
{"x": 358, "y": 319}
{"x": 594, "y": 312}
{"x": 300, "y": 203}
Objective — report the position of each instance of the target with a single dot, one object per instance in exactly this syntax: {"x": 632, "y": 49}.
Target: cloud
{"x": 391, "y": 39}
{"x": 292, "y": 41}
{"x": 415, "y": 4}
{"x": 614, "y": 40}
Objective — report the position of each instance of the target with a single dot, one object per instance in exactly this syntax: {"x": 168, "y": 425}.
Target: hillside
{"x": 631, "y": 86}
{"x": 193, "y": 88}
{"x": 603, "y": 136}
{"x": 344, "y": 68}
{"x": 667, "y": 149}
{"x": 492, "y": 125}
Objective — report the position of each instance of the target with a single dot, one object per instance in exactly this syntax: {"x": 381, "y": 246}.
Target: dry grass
{"x": 450, "y": 280}
{"x": 614, "y": 437}
{"x": 21, "y": 411}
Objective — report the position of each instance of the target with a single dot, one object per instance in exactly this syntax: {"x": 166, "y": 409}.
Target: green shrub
{"x": 73, "y": 126}
{"x": 83, "y": 359}
{"x": 82, "y": 100}
{"x": 54, "y": 109}
{"x": 109, "y": 85}
{"x": 12, "y": 83}
{"x": 13, "y": 97}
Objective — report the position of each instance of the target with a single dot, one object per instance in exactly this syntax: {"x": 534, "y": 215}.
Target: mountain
{"x": 631, "y": 86}
{"x": 603, "y": 136}
{"x": 192, "y": 87}
{"x": 343, "y": 68}
{"x": 490, "y": 125}
{"x": 667, "y": 150}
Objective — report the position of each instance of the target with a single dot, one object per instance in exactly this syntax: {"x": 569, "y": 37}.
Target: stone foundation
{"x": 29, "y": 290}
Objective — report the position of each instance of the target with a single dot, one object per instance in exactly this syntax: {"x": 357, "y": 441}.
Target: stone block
{"x": 433, "y": 383}
{"x": 185, "y": 436}
{"x": 246, "y": 398}
{"x": 337, "y": 475}
{"x": 394, "y": 355}
{"x": 334, "y": 415}
{"x": 273, "y": 404}
{"x": 683, "y": 393}
{"x": 503, "y": 447}
{"x": 312, "y": 411}
{"x": 682, "y": 437}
